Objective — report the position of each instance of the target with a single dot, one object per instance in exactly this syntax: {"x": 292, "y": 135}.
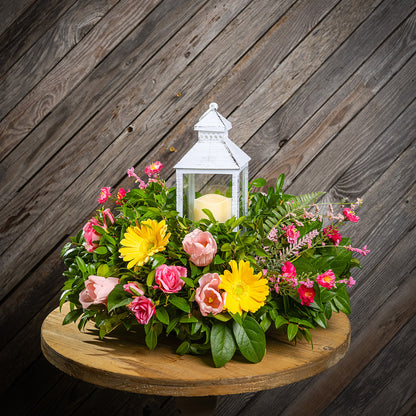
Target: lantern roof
{"x": 213, "y": 151}
{"x": 212, "y": 120}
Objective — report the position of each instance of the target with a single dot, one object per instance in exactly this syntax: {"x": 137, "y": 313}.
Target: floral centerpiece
{"x": 216, "y": 287}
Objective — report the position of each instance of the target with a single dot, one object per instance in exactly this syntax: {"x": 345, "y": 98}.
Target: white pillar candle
{"x": 219, "y": 205}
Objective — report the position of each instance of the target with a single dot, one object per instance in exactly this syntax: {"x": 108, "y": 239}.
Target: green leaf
{"x": 251, "y": 339}
{"x": 103, "y": 270}
{"x": 209, "y": 214}
{"x": 151, "y": 339}
{"x": 292, "y": 330}
{"x": 222, "y": 344}
{"x": 158, "y": 260}
{"x": 162, "y": 315}
{"x": 183, "y": 348}
{"x": 328, "y": 310}
{"x": 72, "y": 316}
{"x": 150, "y": 278}
{"x": 188, "y": 319}
{"x": 101, "y": 250}
{"x": 342, "y": 300}
{"x": 259, "y": 182}
{"x": 81, "y": 264}
{"x": 279, "y": 183}
{"x": 218, "y": 260}
{"x": 321, "y": 320}
{"x": 180, "y": 303}
{"x": 118, "y": 297}
{"x": 172, "y": 324}
{"x": 223, "y": 317}
{"x": 279, "y": 321}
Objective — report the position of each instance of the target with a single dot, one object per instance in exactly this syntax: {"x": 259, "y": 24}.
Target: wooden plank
{"x": 50, "y": 185}
{"x": 47, "y": 51}
{"x": 53, "y": 88}
{"x": 317, "y": 108}
{"x": 11, "y": 10}
{"x": 358, "y": 135}
{"x": 408, "y": 408}
{"x": 92, "y": 94}
{"x": 392, "y": 379}
{"x": 28, "y": 28}
{"x": 292, "y": 72}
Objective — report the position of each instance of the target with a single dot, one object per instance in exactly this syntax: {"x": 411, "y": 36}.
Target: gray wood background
{"x": 322, "y": 90}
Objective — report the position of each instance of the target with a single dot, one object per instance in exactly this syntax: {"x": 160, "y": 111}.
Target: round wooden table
{"x": 123, "y": 362}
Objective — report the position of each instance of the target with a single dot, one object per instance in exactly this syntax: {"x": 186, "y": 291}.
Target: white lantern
{"x": 213, "y": 154}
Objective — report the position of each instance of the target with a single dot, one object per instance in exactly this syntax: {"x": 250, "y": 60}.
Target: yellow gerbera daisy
{"x": 140, "y": 243}
{"x": 245, "y": 291}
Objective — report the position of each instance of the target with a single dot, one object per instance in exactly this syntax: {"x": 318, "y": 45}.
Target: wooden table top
{"x": 123, "y": 362}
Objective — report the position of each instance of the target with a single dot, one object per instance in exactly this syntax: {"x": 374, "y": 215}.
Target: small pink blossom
{"x": 168, "y": 278}
{"x": 308, "y": 283}
{"x": 291, "y": 233}
{"x": 208, "y": 295}
{"x": 333, "y": 234}
{"x": 97, "y": 289}
{"x": 351, "y": 282}
{"x": 364, "y": 251}
{"x": 201, "y": 247}
{"x": 350, "y": 215}
{"x": 272, "y": 236}
{"x": 104, "y": 195}
{"x": 143, "y": 309}
{"x": 327, "y": 279}
{"x": 130, "y": 173}
{"x": 306, "y": 294}
{"x": 133, "y": 289}
{"x": 153, "y": 169}
{"x": 120, "y": 196}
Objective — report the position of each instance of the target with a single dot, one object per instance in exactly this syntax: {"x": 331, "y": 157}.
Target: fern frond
{"x": 295, "y": 206}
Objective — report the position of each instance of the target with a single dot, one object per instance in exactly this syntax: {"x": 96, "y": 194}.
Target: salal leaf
{"x": 251, "y": 339}
{"x": 222, "y": 344}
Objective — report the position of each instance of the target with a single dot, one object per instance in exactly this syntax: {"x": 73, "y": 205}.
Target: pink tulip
{"x": 143, "y": 309}
{"x": 208, "y": 296}
{"x": 201, "y": 246}
{"x": 97, "y": 289}
{"x": 168, "y": 278}
{"x": 91, "y": 236}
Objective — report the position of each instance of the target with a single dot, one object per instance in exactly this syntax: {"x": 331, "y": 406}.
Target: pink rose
{"x": 168, "y": 278}
{"x": 201, "y": 246}
{"x": 208, "y": 296}
{"x": 97, "y": 289}
{"x": 291, "y": 233}
{"x": 133, "y": 289}
{"x": 350, "y": 215}
{"x": 143, "y": 309}
{"x": 104, "y": 194}
{"x": 153, "y": 169}
{"x": 327, "y": 279}
{"x": 307, "y": 295}
{"x": 91, "y": 236}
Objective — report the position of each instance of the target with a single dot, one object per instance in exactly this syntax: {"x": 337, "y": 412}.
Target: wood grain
{"x": 76, "y": 64}
{"x": 124, "y": 363}
{"x": 49, "y": 50}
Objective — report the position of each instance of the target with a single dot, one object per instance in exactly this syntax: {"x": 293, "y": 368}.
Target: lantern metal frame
{"x": 213, "y": 154}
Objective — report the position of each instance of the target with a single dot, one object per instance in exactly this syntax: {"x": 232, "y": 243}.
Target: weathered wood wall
{"x": 322, "y": 90}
